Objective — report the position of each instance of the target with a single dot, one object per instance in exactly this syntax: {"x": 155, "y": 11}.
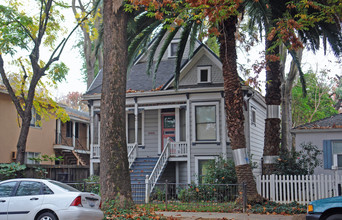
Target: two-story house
{"x": 69, "y": 140}
{"x": 176, "y": 131}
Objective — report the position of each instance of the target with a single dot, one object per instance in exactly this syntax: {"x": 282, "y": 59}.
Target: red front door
{"x": 168, "y": 128}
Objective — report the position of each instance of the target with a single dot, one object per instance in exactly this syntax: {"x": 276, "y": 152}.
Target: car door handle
{"x": 2, "y": 200}
{"x": 34, "y": 198}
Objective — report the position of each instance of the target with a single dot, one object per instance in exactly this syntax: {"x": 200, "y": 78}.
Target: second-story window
{"x": 206, "y": 123}
{"x": 36, "y": 119}
{"x": 69, "y": 128}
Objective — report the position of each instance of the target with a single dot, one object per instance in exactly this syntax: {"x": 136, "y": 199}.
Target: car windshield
{"x": 64, "y": 186}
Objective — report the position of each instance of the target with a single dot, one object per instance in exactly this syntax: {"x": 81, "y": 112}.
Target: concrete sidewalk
{"x": 227, "y": 216}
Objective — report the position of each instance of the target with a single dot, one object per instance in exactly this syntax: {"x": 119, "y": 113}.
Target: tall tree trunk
{"x": 234, "y": 105}
{"x": 114, "y": 170}
{"x": 273, "y": 100}
{"x": 286, "y": 102}
{"x": 22, "y": 140}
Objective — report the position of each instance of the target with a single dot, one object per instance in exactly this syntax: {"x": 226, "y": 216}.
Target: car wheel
{"x": 47, "y": 216}
{"x": 334, "y": 217}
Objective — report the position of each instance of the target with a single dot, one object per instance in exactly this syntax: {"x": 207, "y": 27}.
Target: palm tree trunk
{"x": 114, "y": 171}
{"x": 234, "y": 105}
{"x": 273, "y": 100}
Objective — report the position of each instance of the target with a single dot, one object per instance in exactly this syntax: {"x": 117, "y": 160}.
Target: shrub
{"x": 221, "y": 171}
{"x": 11, "y": 170}
{"x": 302, "y": 162}
{"x": 92, "y": 184}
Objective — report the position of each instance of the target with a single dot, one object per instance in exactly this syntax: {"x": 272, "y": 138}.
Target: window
{"x": 173, "y": 48}
{"x": 201, "y": 168}
{"x": 29, "y": 155}
{"x": 206, "y": 129}
{"x": 6, "y": 189}
{"x": 332, "y": 153}
{"x": 28, "y": 188}
{"x": 337, "y": 153}
{"x": 76, "y": 129}
{"x": 36, "y": 119}
{"x": 69, "y": 129}
{"x": 46, "y": 190}
{"x": 131, "y": 128}
{"x": 204, "y": 74}
{"x": 253, "y": 116}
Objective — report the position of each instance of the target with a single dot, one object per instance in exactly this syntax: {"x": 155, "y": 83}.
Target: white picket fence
{"x": 301, "y": 189}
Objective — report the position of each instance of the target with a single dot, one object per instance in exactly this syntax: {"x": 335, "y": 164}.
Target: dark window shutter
{"x": 327, "y": 154}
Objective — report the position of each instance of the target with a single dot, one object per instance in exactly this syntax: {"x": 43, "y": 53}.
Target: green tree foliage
{"x": 317, "y": 104}
{"x": 220, "y": 171}
{"x": 26, "y": 27}
{"x": 301, "y": 162}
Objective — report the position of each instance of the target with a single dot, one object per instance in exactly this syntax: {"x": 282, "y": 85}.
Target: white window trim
{"x": 142, "y": 127}
{"x": 169, "y": 49}
{"x": 199, "y": 68}
{"x": 253, "y": 109}
{"x": 194, "y": 105}
{"x": 197, "y": 159}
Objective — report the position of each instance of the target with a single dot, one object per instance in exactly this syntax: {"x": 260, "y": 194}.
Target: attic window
{"x": 204, "y": 74}
{"x": 173, "y": 48}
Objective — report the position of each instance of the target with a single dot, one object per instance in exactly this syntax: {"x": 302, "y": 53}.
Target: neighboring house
{"x": 326, "y": 134}
{"x": 70, "y": 139}
{"x": 182, "y": 128}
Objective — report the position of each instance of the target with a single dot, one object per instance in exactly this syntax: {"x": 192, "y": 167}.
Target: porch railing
{"x": 159, "y": 167}
{"x": 132, "y": 153}
{"x": 178, "y": 149}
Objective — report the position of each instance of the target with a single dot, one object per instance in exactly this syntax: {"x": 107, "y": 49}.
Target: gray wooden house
{"x": 175, "y": 132}
{"x": 326, "y": 134}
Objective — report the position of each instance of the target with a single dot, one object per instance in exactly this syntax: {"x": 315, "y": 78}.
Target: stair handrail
{"x": 132, "y": 155}
{"x": 158, "y": 168}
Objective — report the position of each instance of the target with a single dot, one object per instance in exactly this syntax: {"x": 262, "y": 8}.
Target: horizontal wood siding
{"x": 183, "y": 174}
{"x": 150, "y": 134}
{"x": 191, "y": 77}
{"x": 257, "y": 133}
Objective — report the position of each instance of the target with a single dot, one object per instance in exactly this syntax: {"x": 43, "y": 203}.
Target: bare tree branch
{"x": 15, "y": 100}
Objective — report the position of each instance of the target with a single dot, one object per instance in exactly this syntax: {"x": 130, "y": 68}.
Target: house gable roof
{"x": 331, "y": 122}
{"x": 201, "y": 54}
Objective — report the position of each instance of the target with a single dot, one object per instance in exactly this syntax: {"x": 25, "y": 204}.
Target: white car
{"x": 38, "y": 199}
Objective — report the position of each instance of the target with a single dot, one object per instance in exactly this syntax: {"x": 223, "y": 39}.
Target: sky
{"x": 73, "y": 60}
{"x": 74, "y": 82}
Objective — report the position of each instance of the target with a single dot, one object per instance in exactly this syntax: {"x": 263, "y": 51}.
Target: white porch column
{"x": 159, "y": 132}
{"x": 177, "y": 117}
{"x": 58, "y": 131}
{"x": 223, "y": 128}
{"x": 91, "y": 172}
{"x": 188, "y": 139}
{"x": 177, "y": 175}
{"x": 92, "y": 140}
{"x": 136, "y": 115}
{"x": 87, "y": 136}
{"x": 73, "y": 134}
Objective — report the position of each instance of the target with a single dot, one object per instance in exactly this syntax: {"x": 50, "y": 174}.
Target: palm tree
{"x": 232, "y": 85}
{"x": 267, "y": 17}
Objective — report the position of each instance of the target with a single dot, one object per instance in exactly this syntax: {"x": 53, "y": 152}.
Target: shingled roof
{"x": 138, "y": 80}
{"x": 334, "y": 121}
